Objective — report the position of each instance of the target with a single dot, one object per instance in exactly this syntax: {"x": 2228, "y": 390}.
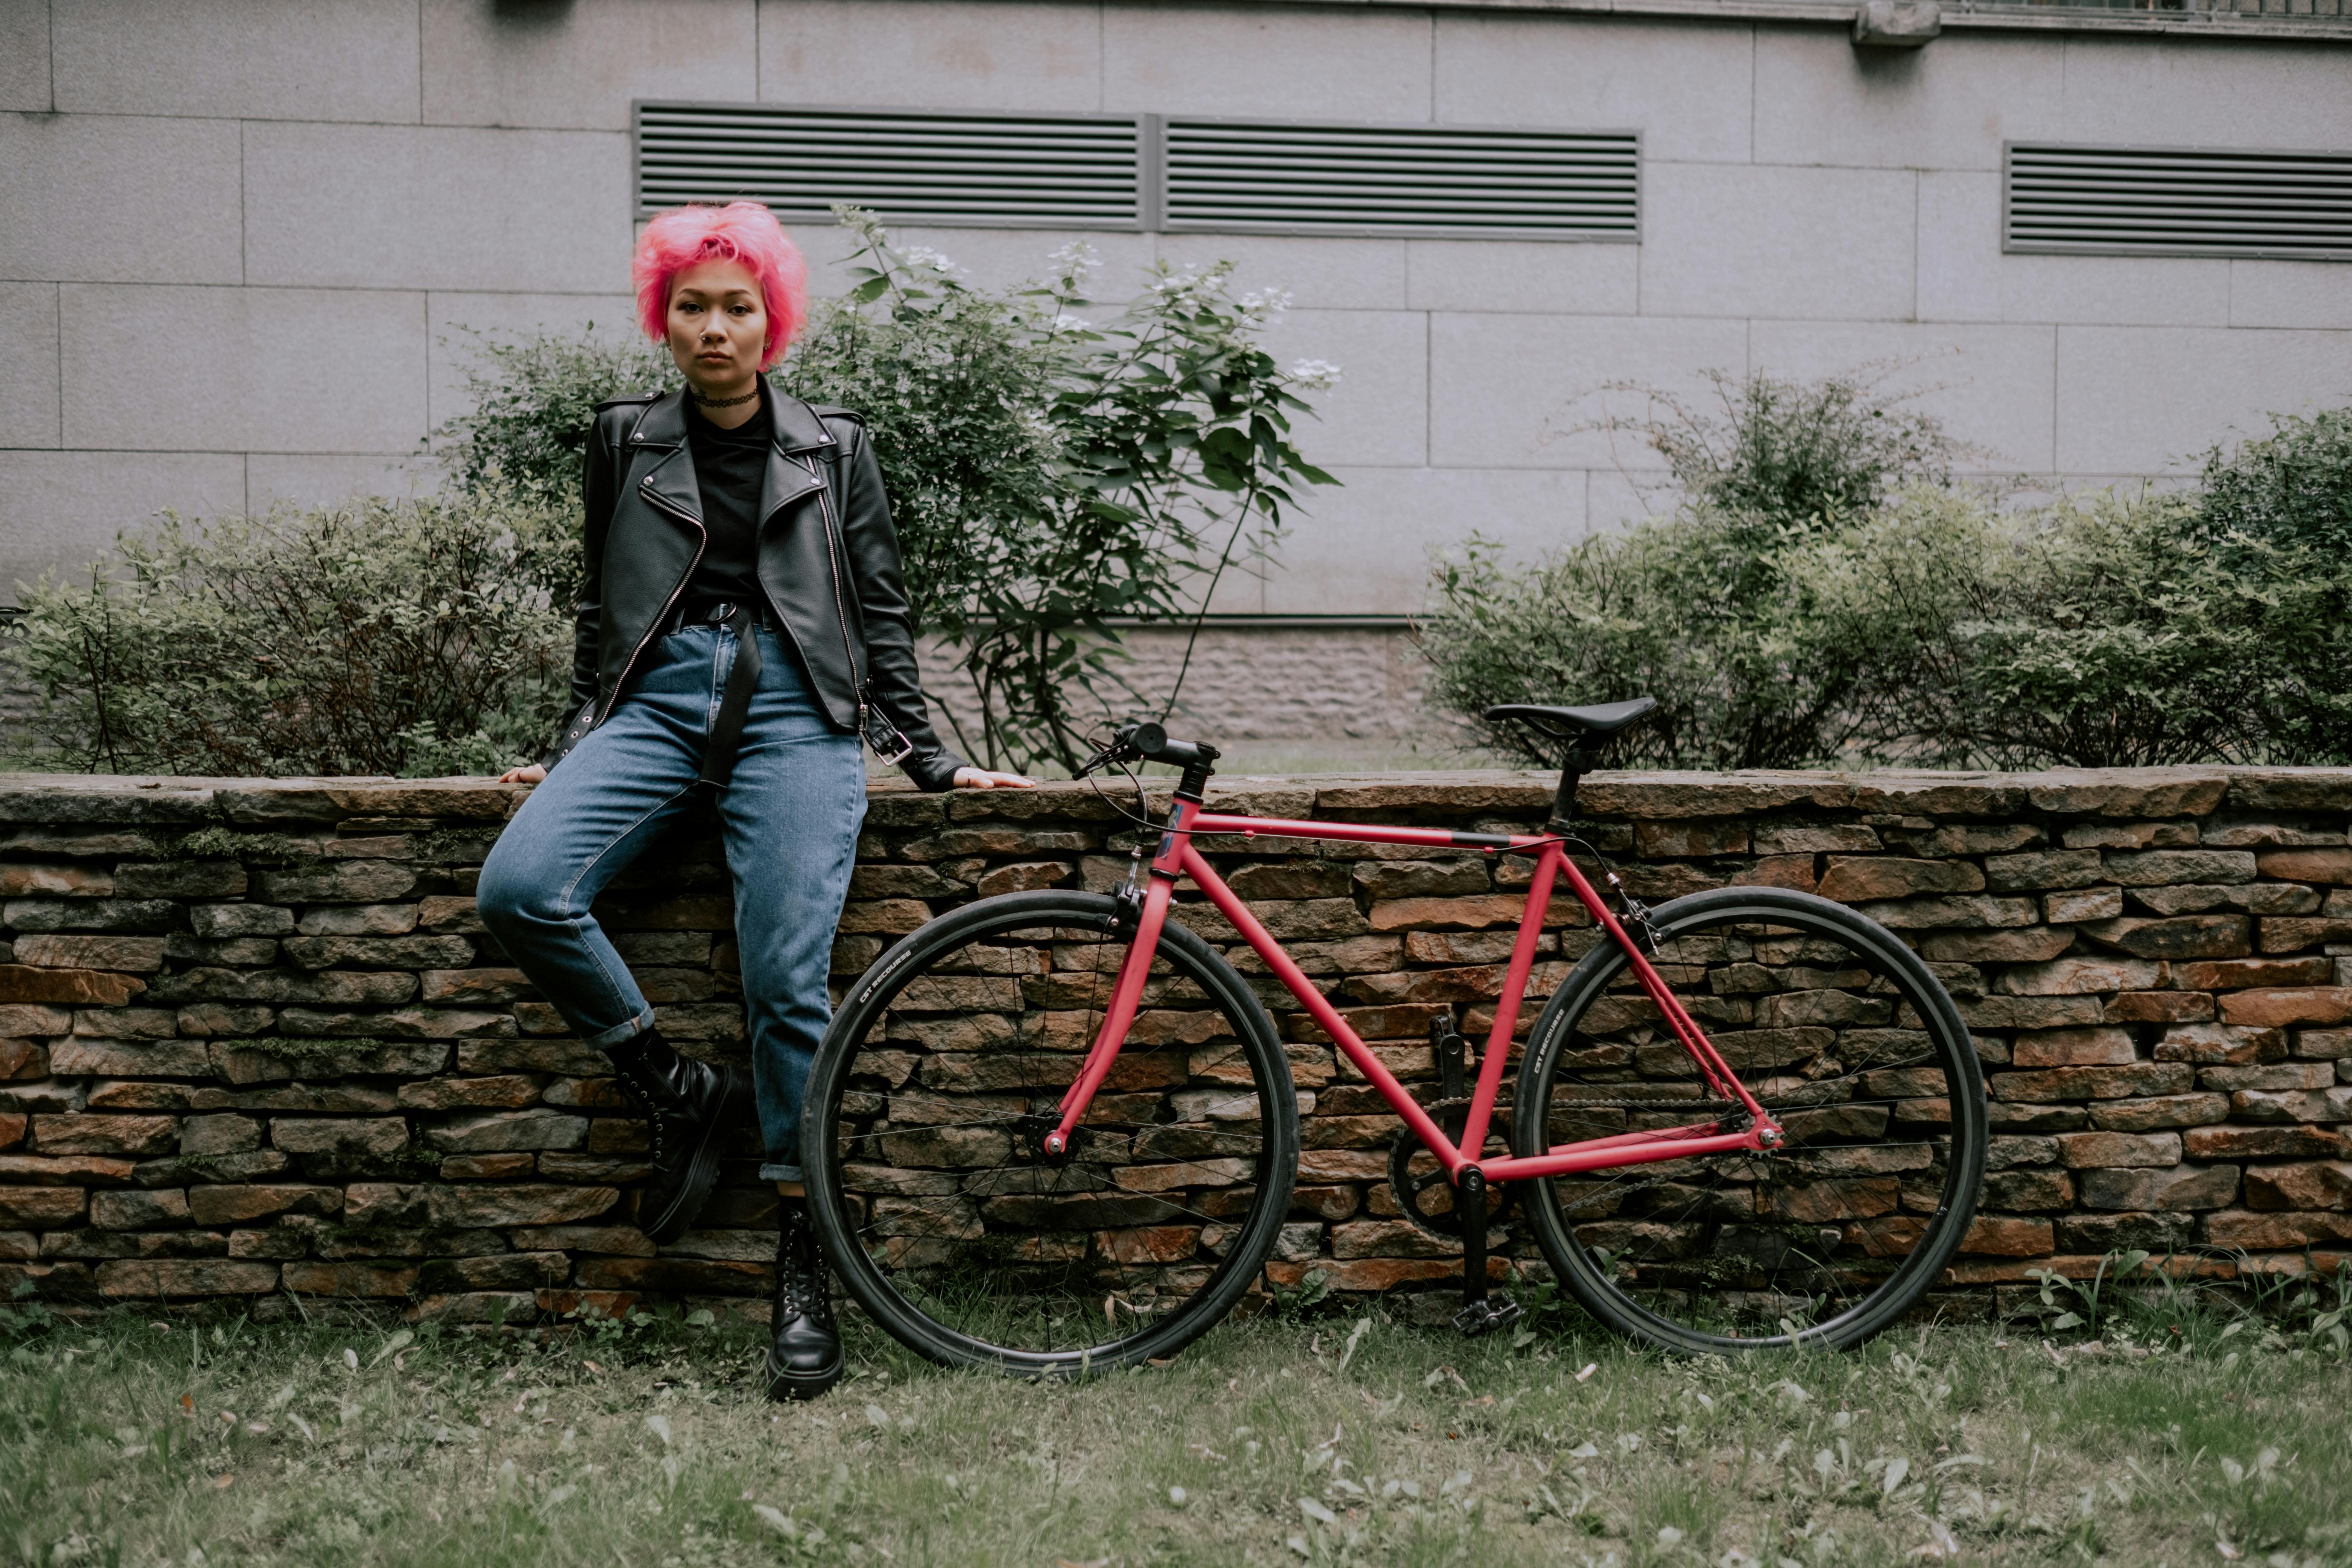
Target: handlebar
{"x": 1148, "y": 743}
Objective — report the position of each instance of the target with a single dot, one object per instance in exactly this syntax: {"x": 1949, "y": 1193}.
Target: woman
{"x": 742, "y": 624}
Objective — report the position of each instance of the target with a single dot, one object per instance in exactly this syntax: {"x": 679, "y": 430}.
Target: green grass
{"x": 136, "y": 1438}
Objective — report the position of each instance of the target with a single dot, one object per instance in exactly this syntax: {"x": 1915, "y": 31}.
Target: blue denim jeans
{"x": 790, "y": 815}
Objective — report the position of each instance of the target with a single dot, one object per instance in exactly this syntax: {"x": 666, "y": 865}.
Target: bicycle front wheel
{"x": 1855, "y": 1048}
{"x": 923, "y": 1141}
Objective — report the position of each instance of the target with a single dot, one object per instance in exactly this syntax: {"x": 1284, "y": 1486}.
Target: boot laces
{"x": 657, "y": 1096}
{"x": 800, "y": 1274}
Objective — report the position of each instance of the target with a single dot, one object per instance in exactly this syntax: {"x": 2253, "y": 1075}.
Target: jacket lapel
{"x": 800, "y": 435}
{"x": 667, "y": 475}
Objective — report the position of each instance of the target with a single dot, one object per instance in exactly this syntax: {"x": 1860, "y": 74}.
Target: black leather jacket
{"x": 831, "y": 573}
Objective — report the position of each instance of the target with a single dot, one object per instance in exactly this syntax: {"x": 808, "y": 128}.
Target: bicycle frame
{"x": 1177, "y": 858}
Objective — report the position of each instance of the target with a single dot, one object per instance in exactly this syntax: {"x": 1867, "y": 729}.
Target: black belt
{"x": 742, "y": 680}
{"x": 709, "y": 612}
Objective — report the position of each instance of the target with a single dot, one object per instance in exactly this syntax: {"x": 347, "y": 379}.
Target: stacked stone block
{"x": 255, "y": 1043}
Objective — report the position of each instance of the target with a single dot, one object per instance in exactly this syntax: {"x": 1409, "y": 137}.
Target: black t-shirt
{"x": 729, "y": 465}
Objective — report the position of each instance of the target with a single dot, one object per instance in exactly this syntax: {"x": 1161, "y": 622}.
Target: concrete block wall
{"x": 292, "y": 209}
{"x": 253, "y": 1040}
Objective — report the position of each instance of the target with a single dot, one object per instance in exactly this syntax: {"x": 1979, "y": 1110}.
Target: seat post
{"x": 1572, "y": 767}
{"x": 1563, "y": 805}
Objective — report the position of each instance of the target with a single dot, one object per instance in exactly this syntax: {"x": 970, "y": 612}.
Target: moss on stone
{"x": 228, "y": 844}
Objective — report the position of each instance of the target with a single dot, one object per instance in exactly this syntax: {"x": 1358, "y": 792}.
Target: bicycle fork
{"x": 1126, "y": 997}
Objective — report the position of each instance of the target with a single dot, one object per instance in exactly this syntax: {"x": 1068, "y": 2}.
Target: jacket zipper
{"x": 702, "y": 542}
{"x": 849, "y": 651}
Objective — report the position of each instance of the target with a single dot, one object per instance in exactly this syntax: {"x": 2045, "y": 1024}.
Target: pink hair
{"x": 739, "y": 231}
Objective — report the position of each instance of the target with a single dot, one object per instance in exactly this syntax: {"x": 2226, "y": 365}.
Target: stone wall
{"x": 254, "y": 1043}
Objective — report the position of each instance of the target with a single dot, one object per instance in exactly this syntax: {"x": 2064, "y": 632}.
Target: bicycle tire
{"x": 1886, "y": 1153}
{"x": 976, "y": 1251}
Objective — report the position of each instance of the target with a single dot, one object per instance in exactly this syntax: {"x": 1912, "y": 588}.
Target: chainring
{"x": 1413, "y": 1191}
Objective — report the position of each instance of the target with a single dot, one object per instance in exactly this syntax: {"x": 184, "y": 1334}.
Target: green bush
{"x": 2097, "y": 634}
{"x": 410, "y": 638}
{"x": 532, "y": 400}
{"x": 1926, "y": 627}
{"x": 1791, "y": 452}
{"x": 2277, "y": 514}
{"x": 1698, "y": 609}
{"x": 1657, "y": 612}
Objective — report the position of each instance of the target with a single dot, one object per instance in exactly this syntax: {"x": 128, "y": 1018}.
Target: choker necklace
{"x": 725, "y": 402}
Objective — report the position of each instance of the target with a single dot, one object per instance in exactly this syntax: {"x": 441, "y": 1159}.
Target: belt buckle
{"x": 889, "y": 742}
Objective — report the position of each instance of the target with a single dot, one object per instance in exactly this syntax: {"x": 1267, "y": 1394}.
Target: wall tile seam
{"x": 249, "y": 118}
{"x": 399, "y": 292}
{"x": 389, "y": 452}
{"x": 2232, "y": 328}
{"x": 1797, "y": 16}
{"x": 62, "y": 116}
{"x": 606, "y": 132}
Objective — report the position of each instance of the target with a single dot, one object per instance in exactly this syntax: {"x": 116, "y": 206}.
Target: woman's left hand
{"x": 981, "y": 778}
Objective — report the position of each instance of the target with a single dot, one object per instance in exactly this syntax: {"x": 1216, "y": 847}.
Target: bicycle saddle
{"x": 1570, "y": 723}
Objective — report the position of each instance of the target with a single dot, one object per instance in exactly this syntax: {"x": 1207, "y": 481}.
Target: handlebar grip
{"x": 1149, "y": 740}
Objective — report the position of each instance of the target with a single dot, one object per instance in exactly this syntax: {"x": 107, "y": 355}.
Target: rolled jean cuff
{"x": 608, "y": 1038}
{"x": 777, "y": 1173}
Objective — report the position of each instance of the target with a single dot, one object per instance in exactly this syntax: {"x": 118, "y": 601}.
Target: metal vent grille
{"x": 1029, "y": 171}
{"x": 2168, "y": 201}
{"x": 1403, "y": 179}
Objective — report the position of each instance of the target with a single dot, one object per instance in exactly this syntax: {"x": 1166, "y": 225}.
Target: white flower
{"x": 1315, "y": 375}
{"x": 1066, "y": 322}
{"x": 923, "y": 256}
{"x": 1265, "y": 305}
{"x": 1075, "y": 261}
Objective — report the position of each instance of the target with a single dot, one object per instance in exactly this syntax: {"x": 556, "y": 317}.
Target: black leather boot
{"x": 691, "y": 1105}
{"x": 804, "y": 1358}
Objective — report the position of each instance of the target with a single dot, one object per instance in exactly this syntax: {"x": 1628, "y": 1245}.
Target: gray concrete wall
{"x": 240, "y": 241}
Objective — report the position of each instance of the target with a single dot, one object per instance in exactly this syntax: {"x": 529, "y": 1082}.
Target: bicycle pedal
{"x": 1484, "y": 1317}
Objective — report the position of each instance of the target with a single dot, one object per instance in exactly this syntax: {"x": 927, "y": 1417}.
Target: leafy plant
{"x": 1294, "y": 1301}
{"x": 1792, "y": 452}
{"x": 2096, "y": 634}
{"x": 2086, "y": 1294}
{"x": 532, "y": 400}
{"x": 2277, "y": 515}
{"x": 1698, "y": 608}
{"x": 2292, "y": 486}
{"x": 374, "y": 637}
{"x": 1162, "y": 439}
{"x": 1795, "y": 611}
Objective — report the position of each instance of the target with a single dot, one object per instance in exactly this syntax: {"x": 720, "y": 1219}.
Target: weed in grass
{"x": 2088, "y": 1293}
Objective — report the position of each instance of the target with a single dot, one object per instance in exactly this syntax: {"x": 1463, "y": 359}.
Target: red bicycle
{"x": 1056, "y": 1131}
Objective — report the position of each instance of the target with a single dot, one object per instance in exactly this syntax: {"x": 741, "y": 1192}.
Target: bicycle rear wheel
{"x": 1839, "y": 1030}
{"x": 923, "y": 1141}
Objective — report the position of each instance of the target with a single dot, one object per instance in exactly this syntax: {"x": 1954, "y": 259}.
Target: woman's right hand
{"x": 529, "y": 773}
